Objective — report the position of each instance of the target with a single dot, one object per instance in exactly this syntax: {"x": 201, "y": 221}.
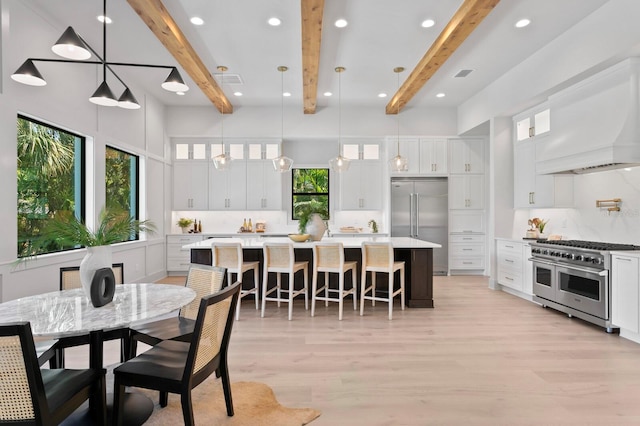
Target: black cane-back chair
{"x": 31, "y": 396}
{"x": 177, "y": 367}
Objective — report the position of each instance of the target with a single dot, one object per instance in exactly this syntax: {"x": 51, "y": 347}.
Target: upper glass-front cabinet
{"x": 190, "y": 151}
{"x": 532, "y": 124}
{"x": 361, "y": 151}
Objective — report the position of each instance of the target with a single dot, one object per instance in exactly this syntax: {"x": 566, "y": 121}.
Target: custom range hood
{"x": 595, "y": 124}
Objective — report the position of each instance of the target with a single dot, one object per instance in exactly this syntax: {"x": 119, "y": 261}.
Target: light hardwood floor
{"x": 480, "y": 357}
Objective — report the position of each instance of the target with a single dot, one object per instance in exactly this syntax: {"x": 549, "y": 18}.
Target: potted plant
{"x": 185, "y": 224}
{"x": 113, "y": 226}
{"x": 310, "y": 220}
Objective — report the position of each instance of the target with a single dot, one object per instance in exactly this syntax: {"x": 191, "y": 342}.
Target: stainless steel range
{"x": 572, "y": 276}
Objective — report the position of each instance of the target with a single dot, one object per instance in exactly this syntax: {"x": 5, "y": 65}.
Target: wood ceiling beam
{"x": 162, "y": 24}
{"x": 461, "y": 25}
{"x": 312, "y": 12}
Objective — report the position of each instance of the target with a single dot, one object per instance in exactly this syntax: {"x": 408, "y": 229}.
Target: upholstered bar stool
{"x": 329, "y": 258}
{"x": 280, "y": 258}
{"x": 378, "y": 257}
{"x": 229, "y": 255}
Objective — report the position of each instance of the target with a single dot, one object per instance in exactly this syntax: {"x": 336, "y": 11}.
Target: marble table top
{"x": 70, "y": 313}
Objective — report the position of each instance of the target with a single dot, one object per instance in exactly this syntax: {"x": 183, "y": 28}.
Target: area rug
{"x": 254, "y": 404}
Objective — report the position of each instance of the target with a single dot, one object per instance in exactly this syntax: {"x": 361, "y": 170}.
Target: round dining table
{"x": 68, "y": 313}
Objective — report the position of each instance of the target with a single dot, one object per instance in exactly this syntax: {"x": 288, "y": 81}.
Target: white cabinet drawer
{"x": 466, "y": 262}
{"x": 466, "y": 238}
{"x": 466, "y": 221}
{"x": 509, "y": 247}
{"x": 178, "y": 265}
{"x": 467, "y": 249}
{"x": 510, "y": 262}
{"x": 510, "y": 279}
{"x": 183, "y": 239}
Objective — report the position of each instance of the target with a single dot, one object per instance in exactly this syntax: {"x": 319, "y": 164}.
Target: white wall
{"x": 64, "y": 103}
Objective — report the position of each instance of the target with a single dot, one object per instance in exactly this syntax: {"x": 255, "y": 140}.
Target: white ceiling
{"x": 381, "y": 35}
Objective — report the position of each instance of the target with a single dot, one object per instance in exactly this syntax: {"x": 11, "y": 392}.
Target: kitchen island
{"x": 417, "y": 255}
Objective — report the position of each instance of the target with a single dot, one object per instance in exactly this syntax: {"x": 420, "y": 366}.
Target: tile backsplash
{"x": 586, "y": 221}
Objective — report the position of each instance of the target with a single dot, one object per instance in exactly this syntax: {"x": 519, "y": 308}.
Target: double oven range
{"x": 572, "y": 276}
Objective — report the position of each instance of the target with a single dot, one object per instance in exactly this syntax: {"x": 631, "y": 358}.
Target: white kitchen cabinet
{"x": 362, "y": 150}
{"x": 190, "y": 185}
{"x": 467, "y": 221}
{"x": 534, "y": 122}
{"x": 466, "y": 155}
{"x": 531, "y": 190}
{"x": 514, "y": 269}
{"x": 360, "y": 186}
{"x": 264, "y": 186}
{"x": 189, "y": 149}
{"x": 408, "y": 148}
{"x": 466, "y": 252}
{"x": 433, "y": 156}
{"x": 228, "y": 188}
{"x": 178, "y": 258}
{"x": 263, "y": 150}
{"x": 625, "y": 293}
{"x": 466, "y": 192}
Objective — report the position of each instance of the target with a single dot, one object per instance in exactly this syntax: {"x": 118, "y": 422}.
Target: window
{"x": 121, "y": 182}
{"x": 310, "y": 190}
{"x": 50, "y": 180}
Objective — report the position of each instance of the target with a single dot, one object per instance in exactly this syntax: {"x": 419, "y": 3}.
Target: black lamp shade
{"x": 103, "y": 96}
{"x": 28, "y": 74}
{"x": 127, "y": 100}
{"x": 175, "y": 83}
{"x": 71, "y": 46}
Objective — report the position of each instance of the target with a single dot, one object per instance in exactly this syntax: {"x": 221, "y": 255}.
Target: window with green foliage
{"x": 50, "y": 180}
{"x": 310, "y": 192}
{"x": 121, "y": 182}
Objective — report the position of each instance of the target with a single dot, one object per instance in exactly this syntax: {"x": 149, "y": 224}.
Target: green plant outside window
{"x": 50, "y": 180}
{"x": 310, "y": 192}
{"x": 121, "y": 182}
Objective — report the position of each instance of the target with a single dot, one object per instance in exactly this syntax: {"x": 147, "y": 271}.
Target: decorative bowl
{"x": 299, "y": 238}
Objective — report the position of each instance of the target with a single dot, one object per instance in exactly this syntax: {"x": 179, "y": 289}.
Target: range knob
{"x": 588, "y": 259}
{"x": 535, "y": 250}
{"x": 597, "y": 260}
{"x": 545, "y": 251}
{"x": 565, "y": 255}
{"x": 580, "y": 257}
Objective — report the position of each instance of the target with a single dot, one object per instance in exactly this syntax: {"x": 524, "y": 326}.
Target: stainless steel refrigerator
{"x": 420, "y": 209}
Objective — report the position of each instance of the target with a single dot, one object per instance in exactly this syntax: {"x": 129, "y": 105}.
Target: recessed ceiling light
{"x": 428, "y": 23}
{"x": 286, "y": 94}
{"x": 382, "y": 95}
{"x": 522, "y": 23}
{"x": 104, "y": 19}
{"x": 341, "y": 23}
{"x": 440, "y": 95}
{"x": 197, "y": 21}
{"x": 274, "y": 22}
{"x": 327, "y": 94}
{"x": 237, "y": 93}
{"x": 180, "y": 93}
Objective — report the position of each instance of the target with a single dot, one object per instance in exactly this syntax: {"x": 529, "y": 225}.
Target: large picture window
{"x": 310, "y": 192}
{"x": 121, "y": 182}
{"x": 50, "y": 180}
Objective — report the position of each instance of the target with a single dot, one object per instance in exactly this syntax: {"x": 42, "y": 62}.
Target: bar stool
{"x": 378, "y": 257}
{"x": 329, "y": 258}
{"x": 279, "y": 258}
{"x": 229, "y": 255}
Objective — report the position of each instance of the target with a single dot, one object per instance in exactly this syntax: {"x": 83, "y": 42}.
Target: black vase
{"x": 103, "y": 287}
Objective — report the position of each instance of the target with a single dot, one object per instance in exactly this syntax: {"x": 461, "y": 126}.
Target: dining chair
{"x": 378, "y": 257}
{"x": 329, "y": 258}
{"x": 33, "y": 396}
{"x": 280, "y": 259}
{"x": 70, "y": 279}
{"x": 229, "y": 255}
{"x": 204, "y": 280}
{"x": 178, "y": 367}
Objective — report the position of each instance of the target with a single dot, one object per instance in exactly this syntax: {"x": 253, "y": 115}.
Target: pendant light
{"x": 222, "y": 161}
{"x": 74, "y": 49}
{"x": 282, "y": 164}
{"x": 340, "y": 163}
{"x": 398, "y": 163}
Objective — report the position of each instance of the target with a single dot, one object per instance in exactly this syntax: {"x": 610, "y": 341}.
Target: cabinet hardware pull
{"x": 508, "y": 278}
{"x": 508, "y": 260}
{"x": 622, "y": 258}
{"x": 509, "y": 246}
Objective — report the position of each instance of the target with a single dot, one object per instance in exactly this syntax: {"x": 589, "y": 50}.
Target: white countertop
{"x": 347, "y": 242}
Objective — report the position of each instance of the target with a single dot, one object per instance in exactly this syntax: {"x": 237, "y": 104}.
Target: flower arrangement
{"x": 537, "y": 223}
{"x": 183, "y": 222}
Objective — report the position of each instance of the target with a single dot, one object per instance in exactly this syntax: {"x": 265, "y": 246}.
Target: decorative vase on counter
{"x": 316, "y": 227}
{"x": 97, "y": 258}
